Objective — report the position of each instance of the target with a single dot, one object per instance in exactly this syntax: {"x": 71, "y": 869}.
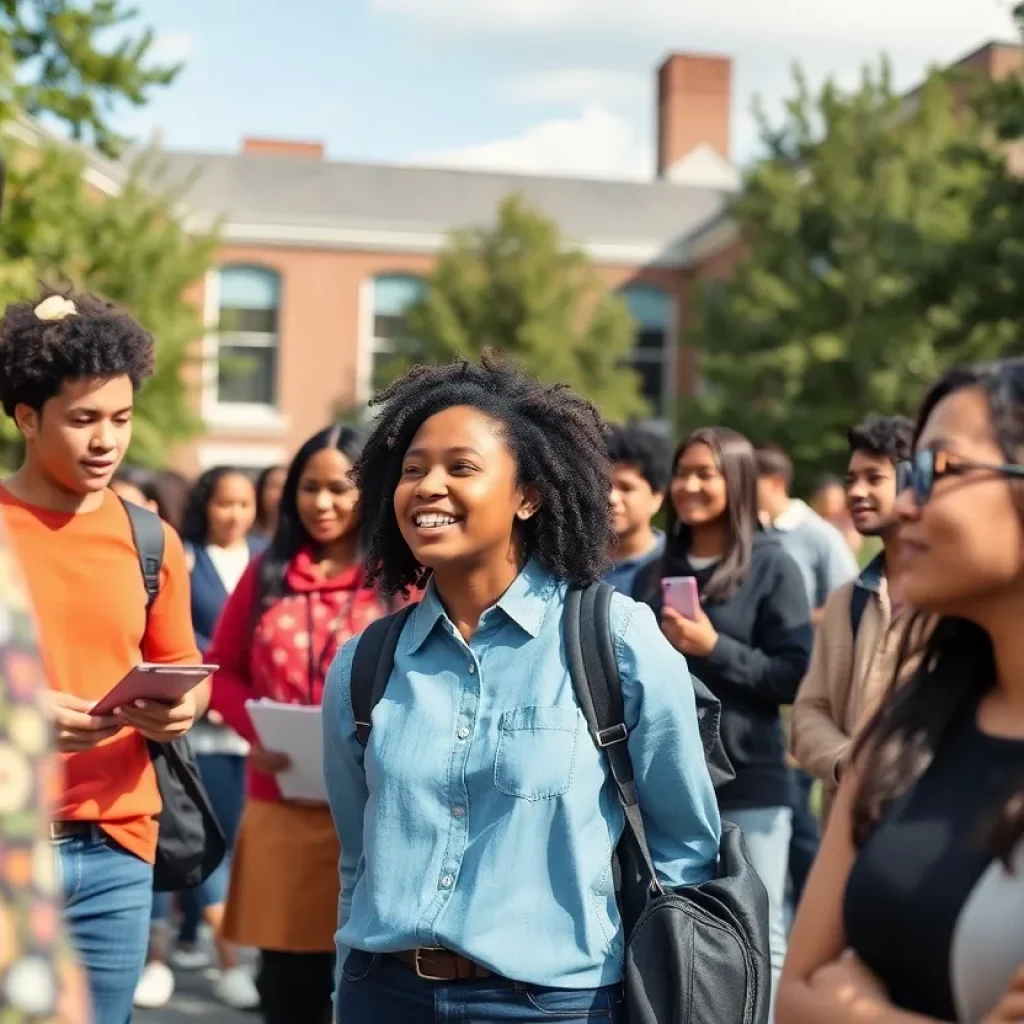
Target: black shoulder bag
{"x": 191, "y": 844}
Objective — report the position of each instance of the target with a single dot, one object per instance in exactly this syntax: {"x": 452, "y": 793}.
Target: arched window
{"x": 391, "y": 347}
{"x": 651, "y": 309}
{"x": 247, "y": 346}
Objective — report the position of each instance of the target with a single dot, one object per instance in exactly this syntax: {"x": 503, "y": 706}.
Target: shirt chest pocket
{"x": 536, "y": 752}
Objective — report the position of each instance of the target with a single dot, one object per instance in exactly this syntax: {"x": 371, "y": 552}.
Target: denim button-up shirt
{"x": 481, "y": 816}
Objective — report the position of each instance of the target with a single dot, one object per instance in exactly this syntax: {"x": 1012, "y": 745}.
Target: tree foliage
{"x": 75, "y": 62}
{"x": 516, "y": 287}
{"x": 128, "y": 247}
{"x": 875, "y": 233}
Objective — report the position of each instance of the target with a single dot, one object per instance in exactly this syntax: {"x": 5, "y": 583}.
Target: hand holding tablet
{"x": 159, "y": 684}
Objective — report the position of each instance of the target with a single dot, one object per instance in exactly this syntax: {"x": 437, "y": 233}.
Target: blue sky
{"x": 560, "y": 86}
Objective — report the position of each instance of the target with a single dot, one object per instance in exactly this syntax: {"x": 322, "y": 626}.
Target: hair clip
{"x": 55, "y": 308}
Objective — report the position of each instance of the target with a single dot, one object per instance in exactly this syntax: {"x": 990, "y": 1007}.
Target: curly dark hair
{"x": 558, "y": 442}
{"x": 38, "y": 356}
{"x": 885, "y": 437}
{"x": 643, "y": 448}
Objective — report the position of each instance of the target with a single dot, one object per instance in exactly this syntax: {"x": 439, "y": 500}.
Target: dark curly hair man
{"x": 70, "y": 367}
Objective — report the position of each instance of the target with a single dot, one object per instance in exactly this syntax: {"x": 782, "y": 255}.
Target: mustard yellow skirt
{"x": 284, "y": 885}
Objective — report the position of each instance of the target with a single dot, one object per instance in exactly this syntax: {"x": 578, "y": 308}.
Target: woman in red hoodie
{"x": 277, "y": 635}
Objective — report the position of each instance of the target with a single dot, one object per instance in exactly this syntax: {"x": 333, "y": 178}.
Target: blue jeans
{"x": 223, "y": 777}
{"x": 766, "y": 832}
{"x": 376, "y": 989}
{"x": 106, "y": 894}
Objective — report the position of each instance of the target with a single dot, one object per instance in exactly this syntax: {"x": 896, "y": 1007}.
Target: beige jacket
{"x": 847, "y": 677}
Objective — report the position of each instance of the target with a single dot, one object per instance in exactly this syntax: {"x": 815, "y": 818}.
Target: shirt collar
{"x": 796, "y": 512}
{"x": 872, "y": 575}
{"x": 525, "y": 603}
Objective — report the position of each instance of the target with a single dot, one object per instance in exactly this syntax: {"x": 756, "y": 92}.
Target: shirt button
{"x": 463, "y": 733}
{"x": 447, "y": 881}
{"x": 472, "y": 668}
{"x": 458, "y": 811}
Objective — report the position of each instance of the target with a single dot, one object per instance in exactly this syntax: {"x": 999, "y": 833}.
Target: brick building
{"x": 319, "y": 259}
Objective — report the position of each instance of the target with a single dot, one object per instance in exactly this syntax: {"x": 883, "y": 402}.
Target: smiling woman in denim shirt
{"x": 477, "y": 826}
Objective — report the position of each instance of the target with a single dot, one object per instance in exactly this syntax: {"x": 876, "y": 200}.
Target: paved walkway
{"x": 193, "y": 1001}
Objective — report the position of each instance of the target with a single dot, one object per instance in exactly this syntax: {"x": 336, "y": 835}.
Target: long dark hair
{"x": 195, "y": 524}
{"x": 262, "y": 480}
{"x": 734, "y": 456}
{"x": 958, "y": 663}
{"x": 291, "y": 536}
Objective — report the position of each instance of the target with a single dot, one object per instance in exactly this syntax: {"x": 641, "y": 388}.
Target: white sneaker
{"x": 155, "y": 987}
{"x": 193, "y": 959}
{"x": 235, "y": 988}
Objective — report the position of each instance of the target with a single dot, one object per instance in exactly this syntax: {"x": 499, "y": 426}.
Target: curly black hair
{"x": 38, "y": 356}
{"x": 558, "y": 442}
{"x": 885, "y": 437}
{"x": 643, "y": 448}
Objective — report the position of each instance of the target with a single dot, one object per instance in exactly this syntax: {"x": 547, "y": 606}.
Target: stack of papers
{"x": 295, "y": 730}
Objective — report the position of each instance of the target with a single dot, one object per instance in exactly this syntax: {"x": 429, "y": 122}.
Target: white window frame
{"x": 370, "y": 346}
{"x": 244, "y": 416}
{"x": 667, "y": 357}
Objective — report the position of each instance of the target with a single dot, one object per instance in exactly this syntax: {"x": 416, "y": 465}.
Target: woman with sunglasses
{"x": 913, "y": 911}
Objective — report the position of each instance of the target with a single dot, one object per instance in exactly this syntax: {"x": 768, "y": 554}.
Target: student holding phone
{"x": 69, "y": 370}
{"x": 733, "y": 601}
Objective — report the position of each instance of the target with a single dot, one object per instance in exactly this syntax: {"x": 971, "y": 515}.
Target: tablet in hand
{"x": 164, "y": 684}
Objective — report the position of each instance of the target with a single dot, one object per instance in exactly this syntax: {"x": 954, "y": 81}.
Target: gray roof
{"x": 295, "y": 191}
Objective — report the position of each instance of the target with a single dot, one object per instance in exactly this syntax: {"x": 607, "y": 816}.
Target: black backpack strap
{"x": 594, "y": 671}
{"x": 148, "y": 535}
{"x": 858, "y": 602}
{"x": 371, "y": 667}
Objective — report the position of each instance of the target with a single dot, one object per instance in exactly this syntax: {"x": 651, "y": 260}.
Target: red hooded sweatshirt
{"x": 286, "y": 655}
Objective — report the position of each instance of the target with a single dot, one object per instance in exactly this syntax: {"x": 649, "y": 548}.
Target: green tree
{"x": 129, "y": 247}
{"x": 850, "y": 297}
{"x": 516, "y": 287}
{"x": 75, "y": 62}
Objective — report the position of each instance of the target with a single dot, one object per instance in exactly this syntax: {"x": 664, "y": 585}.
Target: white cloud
{"x": 172, "y": 48}
{"x": 577, "y": 86}
{"x": 597, "y": 144}
{"x": 874, "y": 20}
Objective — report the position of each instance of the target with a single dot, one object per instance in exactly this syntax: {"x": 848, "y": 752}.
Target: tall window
{"x": 392, "y": 348}
{"x": 651, "y": 309}
{"x": 248, "y": 336}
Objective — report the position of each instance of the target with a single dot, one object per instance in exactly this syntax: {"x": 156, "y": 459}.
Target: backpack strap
{"x": 371, "y": 667}
{"x": 593, "y": 668}
{"x": 148, "y": 536}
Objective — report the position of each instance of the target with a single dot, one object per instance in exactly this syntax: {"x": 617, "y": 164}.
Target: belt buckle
{"x": 417, "y": 954}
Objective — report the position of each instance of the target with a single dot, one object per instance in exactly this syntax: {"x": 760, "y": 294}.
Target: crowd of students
{"x": 462, "y": 868}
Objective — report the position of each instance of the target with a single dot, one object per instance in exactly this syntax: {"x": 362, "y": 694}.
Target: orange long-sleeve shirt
{"x": 86, "y": 586}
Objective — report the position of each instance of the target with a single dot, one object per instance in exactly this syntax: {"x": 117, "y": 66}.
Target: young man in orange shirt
{"x": 69, "y": 372}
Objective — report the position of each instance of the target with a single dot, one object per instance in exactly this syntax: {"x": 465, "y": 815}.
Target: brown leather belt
{"x": 68, "y": 829}
{"x": 441, "y": 965}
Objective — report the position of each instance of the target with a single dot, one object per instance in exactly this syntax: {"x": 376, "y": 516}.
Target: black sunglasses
{"x": 927, "y": 466}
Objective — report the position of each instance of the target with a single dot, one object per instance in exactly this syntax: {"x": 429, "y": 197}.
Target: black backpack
{"x": 191, "y": 843}
{"x": 698, "y": 955}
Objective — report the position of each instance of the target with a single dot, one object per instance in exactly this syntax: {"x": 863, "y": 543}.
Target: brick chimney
{"x": 694, "y": 106}
{"x": 283, "y": 147}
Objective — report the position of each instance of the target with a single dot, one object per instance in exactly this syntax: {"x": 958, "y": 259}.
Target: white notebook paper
{"x": 295, "y": 730}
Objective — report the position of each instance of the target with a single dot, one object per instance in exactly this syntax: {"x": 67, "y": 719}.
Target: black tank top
{"x": 927, "y": 907}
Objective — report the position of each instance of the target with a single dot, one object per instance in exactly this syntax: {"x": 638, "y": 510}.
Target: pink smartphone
{"x": 681, "y": 595}
{"x": 165, "y": 684}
